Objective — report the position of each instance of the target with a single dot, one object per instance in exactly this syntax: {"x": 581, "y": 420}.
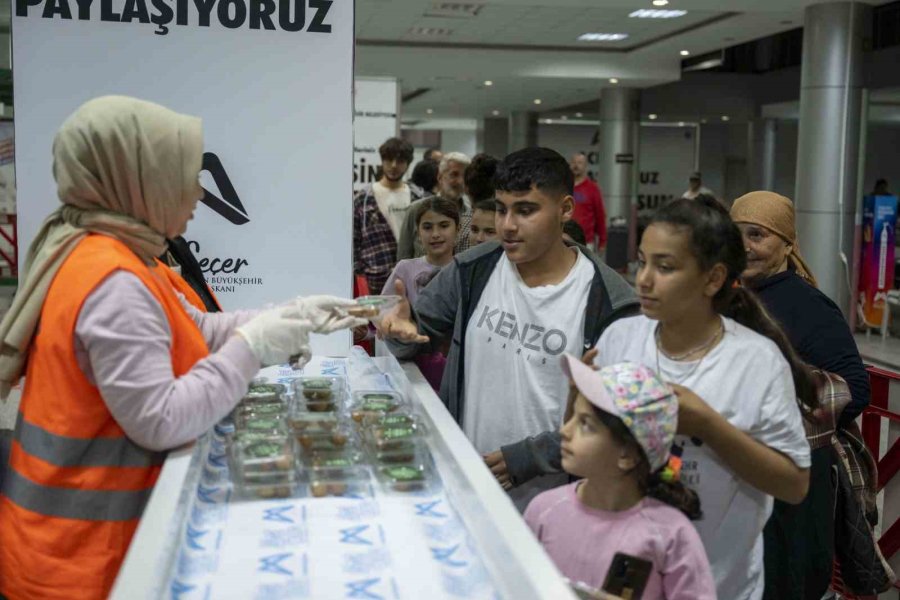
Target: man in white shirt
{"x": 696, "y": 187}
{"x": 508, "y": 311}
{"x": 378, "y": 213}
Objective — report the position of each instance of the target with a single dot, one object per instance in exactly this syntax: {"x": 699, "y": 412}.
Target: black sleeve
{"x": 825, "y": 341}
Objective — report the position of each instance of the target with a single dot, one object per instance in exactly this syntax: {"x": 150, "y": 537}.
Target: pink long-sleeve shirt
{"x": 123, "y": 346}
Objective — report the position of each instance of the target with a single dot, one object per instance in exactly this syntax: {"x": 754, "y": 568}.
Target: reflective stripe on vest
{"x": 64, "y": 451}
{"x": 69, "y": 503}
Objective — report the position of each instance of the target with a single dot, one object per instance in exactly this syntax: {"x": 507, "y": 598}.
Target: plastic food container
{"x": 337, "y": 459}
{"x": 392, "y": 436}
{"x": 336, "y": 439}
{"x": 373, "y": 404}
{"x": 264, "y": 392}
{"x": 301, "y": 420}
{"x": 259, "y": 460}
{"x": 405, "y": 478}
{"x": 374, "y": 307}
{"x": 265, "y": 491}
{"x": 256, "y": 412}
{"x": 272, "y": 425}
{"x": 319, "y": 394}
{"x": 338, "y": 481}
{"x": 400, "y": 453}
{"x": 395, "y": 419}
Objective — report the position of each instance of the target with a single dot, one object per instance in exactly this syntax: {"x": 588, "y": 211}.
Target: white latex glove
{"x": 276, "y": 334}
{"x": 325, "y": 314}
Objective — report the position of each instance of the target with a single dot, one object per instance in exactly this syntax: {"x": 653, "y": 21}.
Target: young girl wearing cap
{"x": 736, "y": 378}
{"x": 630, "y": 500}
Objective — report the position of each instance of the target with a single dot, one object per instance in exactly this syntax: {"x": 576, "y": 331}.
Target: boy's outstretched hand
{"x": 398, "y": 324}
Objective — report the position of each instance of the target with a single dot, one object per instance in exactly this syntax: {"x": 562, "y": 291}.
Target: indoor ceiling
{"x": 528, "y": 49}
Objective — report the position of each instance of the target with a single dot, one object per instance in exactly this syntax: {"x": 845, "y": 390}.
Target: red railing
{"x": 888, "y": 465}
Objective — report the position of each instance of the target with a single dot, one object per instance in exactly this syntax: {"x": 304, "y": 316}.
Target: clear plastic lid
{"x": 336, "y": 459}
{"x": 394, "y": 419}
{"x": 338, "y": 438}
{"x": 260, "y": 391}
{"x": 405, "y": 478}
{"x": 267, "y": 491}
{"x": 273, "y": 425}
{"x": 370, "y": 404}
{"x": 338, "y": 481}
{"x": 400, "y": 452}
{"x": 374, "y": 307}
{"x": 259, "y": 412}
{"x": 267, "y": 455}
{"x": 303, "y": 420}
{"x": 393, "y": 436}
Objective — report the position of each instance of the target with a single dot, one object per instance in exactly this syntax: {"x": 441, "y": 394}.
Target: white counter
{"x": 514, "y": 560}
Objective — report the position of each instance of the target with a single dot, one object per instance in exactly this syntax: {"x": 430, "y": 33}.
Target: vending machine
{"x": 876, "y": 274}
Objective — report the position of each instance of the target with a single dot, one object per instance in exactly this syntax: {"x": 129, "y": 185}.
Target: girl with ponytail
{"x": 741, "y": 389}
{"x": 630, "y": 500}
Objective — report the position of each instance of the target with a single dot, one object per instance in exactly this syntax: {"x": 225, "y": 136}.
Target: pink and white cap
{"x": 636, "y": 395}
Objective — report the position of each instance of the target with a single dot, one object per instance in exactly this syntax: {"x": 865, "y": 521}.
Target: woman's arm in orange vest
{"x": 123, "y": 342}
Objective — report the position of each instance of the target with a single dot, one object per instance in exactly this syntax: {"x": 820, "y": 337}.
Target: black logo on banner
{"x": 230, "y": 206}
{"x": 288, "y": 15}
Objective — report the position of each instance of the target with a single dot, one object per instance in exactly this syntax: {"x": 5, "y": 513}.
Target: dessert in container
{"x": 319, "y": 394}
{"x": 333, "y": 440}
{"x": 371, "y": 404}
{"x": 406, "y": 478}
{"x": 338, "y": 481}
{"x": 374, "y": 308}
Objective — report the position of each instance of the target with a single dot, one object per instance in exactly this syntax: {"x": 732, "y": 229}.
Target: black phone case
{"x": 627, "y": 576}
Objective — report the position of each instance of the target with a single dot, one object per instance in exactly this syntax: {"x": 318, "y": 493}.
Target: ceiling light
{"x": 537, "y": 100}
{"x": 579, "y": 115}
{"x": 613, "y": 80}
{"x": 430, "y": 31}
{"x": 430, "y": 111}
{"x": 454, "y": 10}
{"x": 681, "y": 123}
{"x": 602, "y": 37}
{"x": 725, "y": 117}
{"x": 652, "y": 117}
{"x": 488, "y": 83}
{"x": 685, "y": 53}
{"x": 496, "y": 113}
{"x": 649, "y": 13}
{"x": 703, "y": 121}
{"x": 660, "y": 2}
{"x": 564, "y": 117}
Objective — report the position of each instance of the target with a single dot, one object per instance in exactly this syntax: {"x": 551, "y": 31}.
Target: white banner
{"x": 376, "y": 104}
{"x": 666, "y": 158}
{"x": 272, "y": 82}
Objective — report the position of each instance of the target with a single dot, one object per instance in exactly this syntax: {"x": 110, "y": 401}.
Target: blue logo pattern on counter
{"x": 310, "y": 548}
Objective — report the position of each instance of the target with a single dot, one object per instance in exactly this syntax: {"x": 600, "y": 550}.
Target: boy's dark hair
{"x": 575, "y": 231}
{"x": 429, "y": 154}
{"x": 479, "y": 177}
{"x": 425, "y": 174}
{"x": 440, "y": 206}
{"x": 714, "y": 238}
{"x": 673, "y": 493}
{"x": 489, "y": 205}
{"x": 396, "y": 149}
{"x": 542, "y": 168}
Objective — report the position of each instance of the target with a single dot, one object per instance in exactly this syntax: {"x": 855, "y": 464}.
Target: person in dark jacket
{"x": 509, "y": 310}
{"x": 799, "y": 541}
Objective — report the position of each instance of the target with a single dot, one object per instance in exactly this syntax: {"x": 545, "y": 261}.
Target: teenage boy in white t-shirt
{"x": 509, "y": 310}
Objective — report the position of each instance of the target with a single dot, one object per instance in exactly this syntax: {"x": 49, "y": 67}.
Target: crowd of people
{"x": 669, "y": 421}
{"x": 667, "y": 433}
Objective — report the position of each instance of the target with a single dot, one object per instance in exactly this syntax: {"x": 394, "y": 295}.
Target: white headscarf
{"x": 125, "y": 168}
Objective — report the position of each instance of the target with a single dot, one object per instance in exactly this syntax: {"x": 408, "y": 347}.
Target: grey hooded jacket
{"x": 443, "y": 310}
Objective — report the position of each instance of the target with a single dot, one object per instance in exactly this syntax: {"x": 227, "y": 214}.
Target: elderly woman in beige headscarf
{"x": 118, "y": 366}
{"x": 798, "y": 541}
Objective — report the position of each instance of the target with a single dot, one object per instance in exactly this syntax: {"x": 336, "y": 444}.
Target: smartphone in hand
{"x": 627, "y": 576}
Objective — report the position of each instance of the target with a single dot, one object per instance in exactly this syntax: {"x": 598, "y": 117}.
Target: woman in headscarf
{"x": 118, "y": 366}
{"x": 799, "y": 539}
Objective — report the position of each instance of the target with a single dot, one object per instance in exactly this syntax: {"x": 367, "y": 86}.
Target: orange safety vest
{"x": 76, "y": 485}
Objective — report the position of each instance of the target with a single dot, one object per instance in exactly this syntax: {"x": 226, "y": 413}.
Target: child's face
{"x": 670, "y": 283}
{"x": 529, "y": 223}
{"x": 589, "y": 449}
{"x": 437, "y": 233}
{"x": 482, "y": 228}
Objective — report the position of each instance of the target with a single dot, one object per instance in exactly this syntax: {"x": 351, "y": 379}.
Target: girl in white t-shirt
{"x": 736, "y": 377}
